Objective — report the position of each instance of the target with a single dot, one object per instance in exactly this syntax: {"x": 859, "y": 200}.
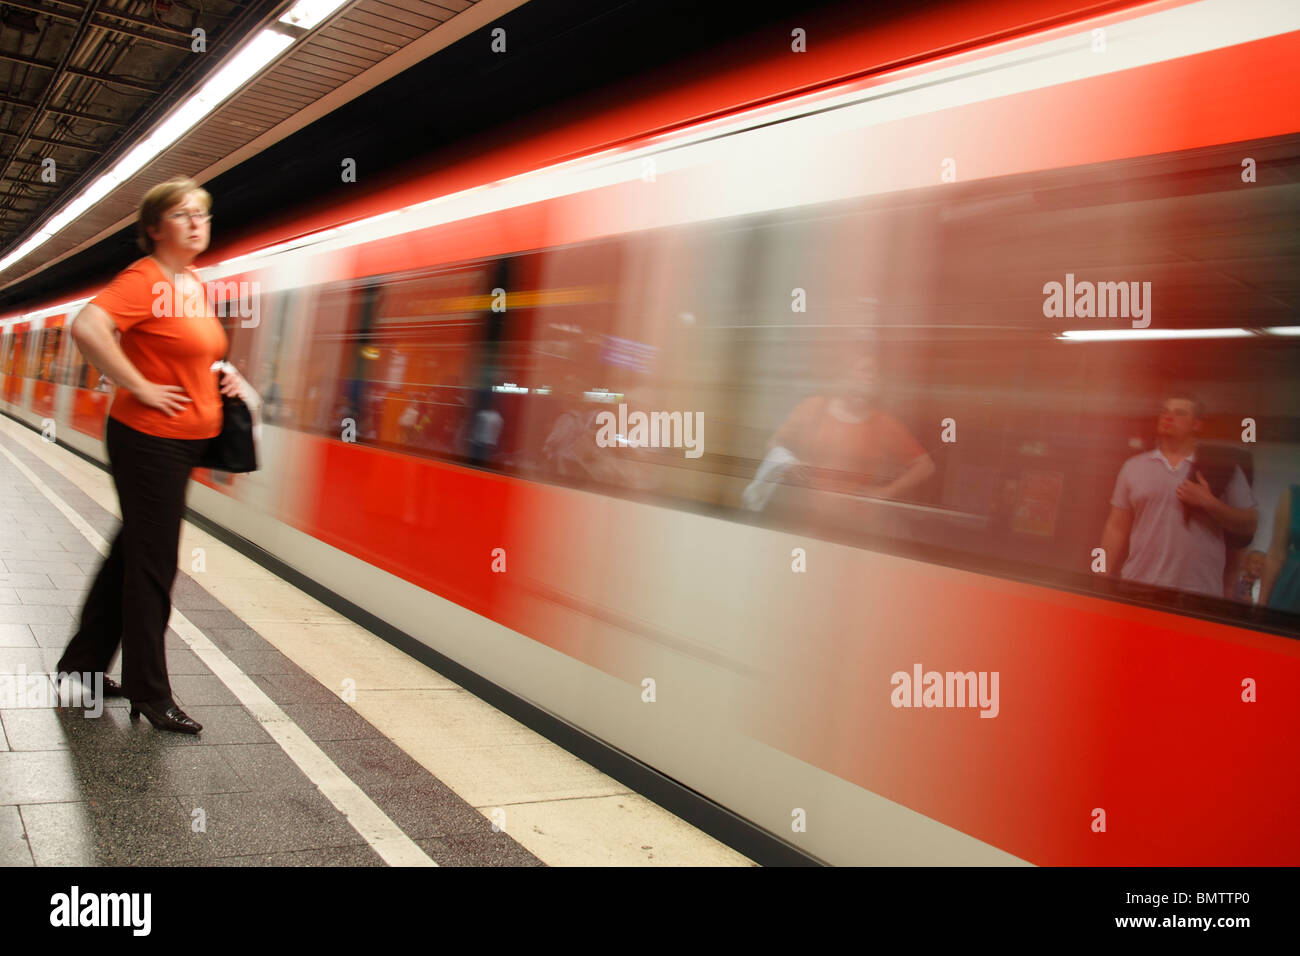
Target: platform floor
{"x": 414, "y": 771}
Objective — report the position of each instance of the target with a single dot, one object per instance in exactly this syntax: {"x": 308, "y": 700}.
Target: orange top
{"x": 847, "y": 455}
{"x": 172, "y": 339}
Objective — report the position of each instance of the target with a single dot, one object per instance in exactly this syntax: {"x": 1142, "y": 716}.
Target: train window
{"x": 240, "y": 316}
{"x": 21, "y": 359}
{"x": 940, "y": 404}
{"x": 886, "y": 372}
{"x": 420, "y": 357}
{"x": 50, "y": 348}
{"x": 687, "y": 289}
{"x": 548, "y": 370}
{"x": 68, "y": 362}
{"x": 257, "y": 354}
{"x": 11, "y": 351}
{"x": 266, "y": 370}
{"x": 81, "y": 373}
{"x": 497, "y": 376}
{"x": 398, "y": 356}
{"x": 325, "y": 400}
{"x": 620, "y": 331}
{"x": 87, "y": 376}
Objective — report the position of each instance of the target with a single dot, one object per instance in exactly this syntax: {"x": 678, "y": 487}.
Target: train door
{"x": 47, "y": 344}
{"x": 14, "y": 370}
{"x": 6, "y": 343}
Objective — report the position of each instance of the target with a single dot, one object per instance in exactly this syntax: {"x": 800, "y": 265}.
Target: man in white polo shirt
{"x": 1166, "y": 527}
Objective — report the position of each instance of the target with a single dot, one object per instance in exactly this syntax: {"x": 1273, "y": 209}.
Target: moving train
{"x": 452, "y": 371}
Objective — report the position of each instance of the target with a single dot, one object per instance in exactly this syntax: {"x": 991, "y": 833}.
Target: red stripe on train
{"x": 716, "y": 86}
{"x": 1174, "y": 105}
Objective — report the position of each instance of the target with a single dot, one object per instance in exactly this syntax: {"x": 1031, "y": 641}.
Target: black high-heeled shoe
{"x": 173, "y": 718}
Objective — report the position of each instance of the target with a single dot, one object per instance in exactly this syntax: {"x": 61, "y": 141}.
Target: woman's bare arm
{"x": 93, "y": 333}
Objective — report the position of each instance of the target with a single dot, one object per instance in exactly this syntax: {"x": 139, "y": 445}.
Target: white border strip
{"x": 382, "y": 835}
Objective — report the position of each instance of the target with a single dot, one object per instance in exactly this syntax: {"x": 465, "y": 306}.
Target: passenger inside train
{"x": 1170, "y": 525}
{"x": 843, "y": 448}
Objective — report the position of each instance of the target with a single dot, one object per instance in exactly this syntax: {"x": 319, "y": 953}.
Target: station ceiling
{"x": 82, "y": 81}
{"x": 397, "y": 84}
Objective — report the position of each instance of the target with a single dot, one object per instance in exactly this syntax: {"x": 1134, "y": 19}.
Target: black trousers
{"x": 130, "y": 601}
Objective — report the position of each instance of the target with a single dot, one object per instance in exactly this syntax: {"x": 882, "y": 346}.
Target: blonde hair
{"x": 158, "y": 200}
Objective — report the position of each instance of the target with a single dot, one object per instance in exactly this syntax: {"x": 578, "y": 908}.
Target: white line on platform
{"x": 383, "y": 835}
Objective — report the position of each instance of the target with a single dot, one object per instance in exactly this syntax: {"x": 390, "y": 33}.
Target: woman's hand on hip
{"x": 168, "y": 399}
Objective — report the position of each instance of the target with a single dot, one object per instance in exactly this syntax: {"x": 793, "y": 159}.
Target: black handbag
{"x": 234, "y": 449}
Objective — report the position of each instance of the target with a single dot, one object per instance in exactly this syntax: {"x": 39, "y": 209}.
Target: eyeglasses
{"x": 194, "y": 216}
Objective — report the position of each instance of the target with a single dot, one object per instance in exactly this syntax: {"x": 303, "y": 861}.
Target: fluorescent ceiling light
{"x": 1130, "y": 335}
{"x": 36, "y": 240}
{"x": 241, "y": 67}
{"x": 308, "y": 13}
{"x": 1284, "y": 330}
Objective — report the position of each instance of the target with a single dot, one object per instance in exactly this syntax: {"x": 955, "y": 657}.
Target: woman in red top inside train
{"x": 844, "y": 443}
{"x": 167, "y": 408}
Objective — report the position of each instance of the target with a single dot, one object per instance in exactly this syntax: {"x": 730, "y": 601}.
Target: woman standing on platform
{"x": 167, "y": 408}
